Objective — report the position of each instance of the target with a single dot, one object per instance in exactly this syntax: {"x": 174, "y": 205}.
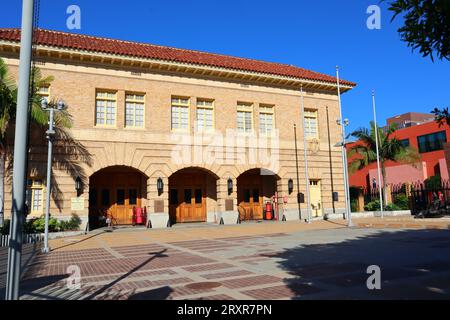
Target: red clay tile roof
{"x": 149, "y": 51}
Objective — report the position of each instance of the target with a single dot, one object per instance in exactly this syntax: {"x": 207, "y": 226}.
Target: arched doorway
{"x": 192, "y": 193}
{"x": 116, "y": 190}
{"x": 253, "y": 188}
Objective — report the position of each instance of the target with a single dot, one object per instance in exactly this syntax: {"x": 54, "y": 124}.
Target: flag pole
{"x": 305, "y": 153}
{"x": 378, "y": 153}
{"x": 343, "y": 123}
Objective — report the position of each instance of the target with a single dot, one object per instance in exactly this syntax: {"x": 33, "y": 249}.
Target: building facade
{"x": 183, "y": 132}
{"x": 422, "y": 133}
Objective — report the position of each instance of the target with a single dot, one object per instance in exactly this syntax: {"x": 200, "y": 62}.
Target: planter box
{"x": 158, "y": 220}
{"x": 228, "y": 217}
{"x": 371, "y": 214}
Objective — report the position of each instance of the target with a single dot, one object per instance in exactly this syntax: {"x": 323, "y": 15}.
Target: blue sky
{"x": 317, "y": 35}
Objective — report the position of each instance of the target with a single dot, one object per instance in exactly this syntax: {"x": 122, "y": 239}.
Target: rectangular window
{"x": 44, "y": 92}
{"x": 246, "y": 195}
{"x": 432, "y": 142}
{"x": 180, "y": 114}
{"x": 132, "y": 196}
{"x": 245, "y": 117}
{"x": 405, "y": 142}
{"x": 134, "y": 110}
{"x": 35, "y": 196}
{"x": 205, "y": 115}
{"x": 120, "y": 196}
{"x": 198, "y": 196}
{"x": 311, "y": 129}
{"x": 255, "y": 195}
{"x": 105, "y": 108}
{"x": 187, "y": 196}
{"x": 266, "y": 120}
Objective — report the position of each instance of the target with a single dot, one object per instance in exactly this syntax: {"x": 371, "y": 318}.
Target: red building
{"x": 421, "y": 132}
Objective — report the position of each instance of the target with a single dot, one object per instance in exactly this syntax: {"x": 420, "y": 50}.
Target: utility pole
{"x": 305, "y": 154}
{"x": 20, "y": 152}
{"x": 344, "y": 123}
{"x": 378, "y": 154}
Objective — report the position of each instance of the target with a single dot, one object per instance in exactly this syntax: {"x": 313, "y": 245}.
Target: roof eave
{"x": 140, "y": 62}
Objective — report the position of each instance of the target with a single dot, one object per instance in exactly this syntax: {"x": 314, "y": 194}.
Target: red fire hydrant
{"x": 268, "y": 211}
{"x": 139, "y": 216}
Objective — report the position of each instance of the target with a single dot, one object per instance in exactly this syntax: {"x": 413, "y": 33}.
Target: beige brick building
{"x": 199, "y": 123}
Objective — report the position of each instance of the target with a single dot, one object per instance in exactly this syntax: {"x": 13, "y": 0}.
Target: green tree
{"x": 8, "y": 93}
{"x": 426, "y": 25}
{"x": 390, "y": 149}
{"x": 64, "y": 144}
{"x": 442, "y": 116}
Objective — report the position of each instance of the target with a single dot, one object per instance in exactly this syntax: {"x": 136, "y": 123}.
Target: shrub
{"x": 402, "y": 202}
{"x": 70, "y": 225}
{"x": 5, "y": 228}
{"x": 433, "y": 182}
{"x": 39, "y": 224}
{"x": 392, "y": 207}
{"x": 354, "y": 205}
{"x": 28, "y": 226}
{"x": 372, "y": 206}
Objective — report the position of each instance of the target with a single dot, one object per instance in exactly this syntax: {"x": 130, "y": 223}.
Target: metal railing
{"x": 27, "y": 238}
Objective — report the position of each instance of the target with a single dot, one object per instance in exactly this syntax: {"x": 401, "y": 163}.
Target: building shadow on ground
{"x": 414, "y": 264}
{"x": 105, "y": 288}
{"x": 162, "y": 293}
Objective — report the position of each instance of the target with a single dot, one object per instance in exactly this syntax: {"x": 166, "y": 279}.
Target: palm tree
{"x": 390, "y": 149}
{"x": 65, "y": 144}
{"x": 8, "y": 94}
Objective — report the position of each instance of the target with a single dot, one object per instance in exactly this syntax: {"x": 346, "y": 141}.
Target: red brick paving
{"x": 208, "y": 267}
{"x": 250, "y": 281}
{"x": 229, "y": 274}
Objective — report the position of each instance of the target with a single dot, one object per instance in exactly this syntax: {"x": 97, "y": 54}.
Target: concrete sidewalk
{"x": 289, "y": 260}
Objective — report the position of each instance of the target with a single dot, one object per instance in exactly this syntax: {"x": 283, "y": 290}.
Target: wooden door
{"x": 187, "y": 197}
{"x": 315, "y": 198}
{"x": 116, "y": 193}
{"x": 250, "y": 198}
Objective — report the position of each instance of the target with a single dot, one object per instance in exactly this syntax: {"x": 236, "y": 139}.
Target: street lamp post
{"x": 344, "y": 123}
{"x": 50, "y": 134}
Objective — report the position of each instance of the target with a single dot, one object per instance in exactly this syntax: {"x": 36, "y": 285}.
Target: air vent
{"x": 39, "y": 63}
{"x": 136, "y": 74}
{"x": 244, "y": 85}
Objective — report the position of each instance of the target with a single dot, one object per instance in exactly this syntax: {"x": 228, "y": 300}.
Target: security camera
{"x": 44, "y": 104}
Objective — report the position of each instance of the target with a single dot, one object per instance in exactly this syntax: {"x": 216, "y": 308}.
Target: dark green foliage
{"x": 372, "y": 206}
{"x": 5, "y": 228}
{"x": 402, "y": 202}
{"x": 433, "y": 182}
{"x": 354, "y": 205}
{"x": 441, "y": 116}
{"x": 38, "y": 225}
{"x": 70, "y": 225}
{"x": 426, "y": 26}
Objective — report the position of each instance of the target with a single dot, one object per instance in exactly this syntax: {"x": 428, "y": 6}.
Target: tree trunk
{"x": 2, "y": 185}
